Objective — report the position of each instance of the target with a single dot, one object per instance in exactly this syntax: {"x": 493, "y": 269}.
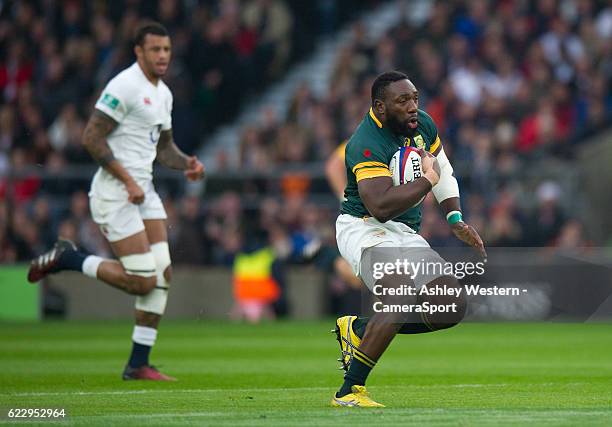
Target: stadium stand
{"x": 504, "y": 102}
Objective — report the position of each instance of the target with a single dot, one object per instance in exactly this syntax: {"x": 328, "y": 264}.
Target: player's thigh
{"x": 156, "y": 230}
{"x": 135, "y": 244}
{"x": 401, "y": 249}
{"x": 353, "y": 235}
{"x": 154, "y": 217}
{"x": 121, "y": 225}
{"x": 427, "y": 264}
{"x": 449, "y": 301}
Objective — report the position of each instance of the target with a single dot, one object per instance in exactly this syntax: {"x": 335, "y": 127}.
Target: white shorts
{"x": 354, "y": 235}
{"x": 119, "y": 219}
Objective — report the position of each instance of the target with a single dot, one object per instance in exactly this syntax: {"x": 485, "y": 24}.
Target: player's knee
{"x": 168, "y": 274}
{"x": 143, "y": 285}
{"x": 140, "y": 273}
{"x": 449, "y": 307}
{"x": 453, "y": 317}
{"x": 161, "y": 252}
{"x": 155, "y": 301}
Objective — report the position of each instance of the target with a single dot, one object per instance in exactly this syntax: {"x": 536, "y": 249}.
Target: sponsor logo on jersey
{"x": 110, "y": 101}
{"x": 419, "y": 141}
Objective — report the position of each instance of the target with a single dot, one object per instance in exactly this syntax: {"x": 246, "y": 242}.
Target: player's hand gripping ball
{"x": 406, "y": 166}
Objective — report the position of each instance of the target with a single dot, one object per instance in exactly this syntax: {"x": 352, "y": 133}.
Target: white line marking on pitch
{"x": 246, "y": 390}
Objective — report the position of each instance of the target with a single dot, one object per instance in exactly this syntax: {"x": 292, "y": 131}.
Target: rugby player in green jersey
{"x": 376, "y": 214}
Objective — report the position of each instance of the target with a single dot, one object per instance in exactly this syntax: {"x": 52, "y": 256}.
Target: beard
{"x": 397, "y": 127}
{"x": 153, "y": 70}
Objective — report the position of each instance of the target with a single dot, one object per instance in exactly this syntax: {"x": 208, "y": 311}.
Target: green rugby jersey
{"x": 368, "y": 154}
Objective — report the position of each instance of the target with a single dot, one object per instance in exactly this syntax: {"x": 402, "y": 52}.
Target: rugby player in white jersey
{"x": 130, "y": 127}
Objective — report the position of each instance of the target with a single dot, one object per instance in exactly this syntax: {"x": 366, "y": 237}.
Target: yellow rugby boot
{"x": 347, "y": 339}
{"x": 359, "y": 398}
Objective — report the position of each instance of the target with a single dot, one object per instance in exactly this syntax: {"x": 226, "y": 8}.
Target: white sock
{"x": 144, "y": 335}
{"x": 90, "y": 266}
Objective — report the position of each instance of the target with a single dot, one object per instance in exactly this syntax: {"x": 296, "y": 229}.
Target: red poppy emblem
{"x": 367, "y": 152}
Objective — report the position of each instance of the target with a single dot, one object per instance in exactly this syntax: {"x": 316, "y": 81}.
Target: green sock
{"x": 359, "y": 326}
{"x": 357, "y": 373}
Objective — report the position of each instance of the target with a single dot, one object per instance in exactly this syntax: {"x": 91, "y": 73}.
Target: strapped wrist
{"x": 432, "y": 179}
{"x": 453, "y": 217}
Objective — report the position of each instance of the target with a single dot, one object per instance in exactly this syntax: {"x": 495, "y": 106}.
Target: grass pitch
{"x": 285, "y": 374}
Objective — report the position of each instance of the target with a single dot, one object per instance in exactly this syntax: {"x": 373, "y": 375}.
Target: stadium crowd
{"x": 508, "y": 83}
{"x": 56, "y": 56}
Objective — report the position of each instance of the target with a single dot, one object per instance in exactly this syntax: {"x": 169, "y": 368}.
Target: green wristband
{"x": 454, "y": 217}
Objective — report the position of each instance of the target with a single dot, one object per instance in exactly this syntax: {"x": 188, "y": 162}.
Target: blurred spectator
{"x": 41, "y": 216}
{"x": 224, "y": 224}
{"x": 25, "y": 235}
{"x": 192, "y": 244}
{"x": 271, "y": 22}
{"x": 15, "y": 70}
{"x": 548, "y": 218}
{"x": 20, "y": 186}
{"x": 571, "y": 236}
{"x": 258, "y": 281}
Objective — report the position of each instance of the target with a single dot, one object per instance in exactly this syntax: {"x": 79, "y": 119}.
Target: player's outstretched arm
{"x": 169, "y": 155}
{"x": 464, "y": 232}
{"x": 98, "y": 128}
{"x": 447, "y": 195}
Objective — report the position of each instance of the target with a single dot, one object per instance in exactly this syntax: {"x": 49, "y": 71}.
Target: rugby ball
{"x": 405, "y": 167}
